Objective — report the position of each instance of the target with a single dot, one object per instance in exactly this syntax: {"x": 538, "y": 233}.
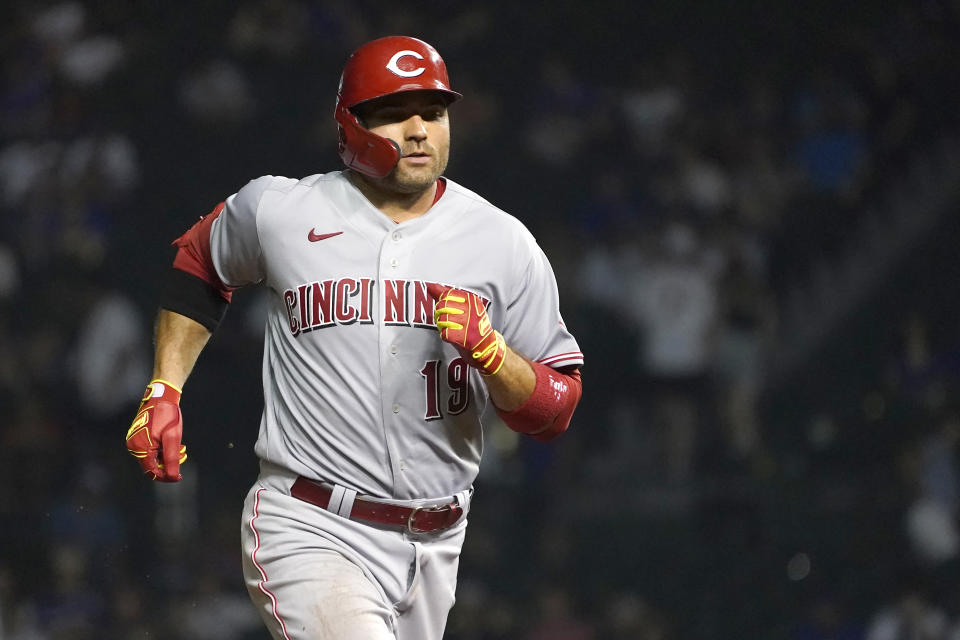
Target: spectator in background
{"x": 562, "y": 124}
{"x": 129, "y": 604}
{"x": 109, "y": 356}
{"x": 18, "y": 616}
{"x": 918, "y": 370}
{"x": 620, "y": 450}
{"x": 629, "y": 617}
{"x": 673, "y": 299}
{"x": 656, "y": 103}
{"x": 11, "y": 383}
{"x": 218, "y": 94}
{"x": 83, "y": 58}
{"x": 277, "y": 28}
{"x": 745, "y": 322}
{"x": 912, "y": 616}
{"x": 610, "y": 210}
{"x": 763, "y": 184}
{"x": 830, "y": 118}
{"x": 75, "y": 608}
{"x": 828, "y": 619}
{"x": 556, "y": 618}
{"x": 932, "y": 519}
{"x": 208, "y": 611}
{"x": 85, "y": 517}
{"x": 703, "y": 186}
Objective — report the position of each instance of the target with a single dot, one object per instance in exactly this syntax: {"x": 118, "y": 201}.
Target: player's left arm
{"x": 533, "y": 398}
{"x": 530, "y": 397}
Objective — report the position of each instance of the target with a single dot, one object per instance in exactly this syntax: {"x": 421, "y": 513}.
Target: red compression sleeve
{"x": 547, "y": 412}
{"x": 193, "y": 255}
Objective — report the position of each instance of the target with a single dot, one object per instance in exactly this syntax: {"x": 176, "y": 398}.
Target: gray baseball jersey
{"x": 359, "y": 390}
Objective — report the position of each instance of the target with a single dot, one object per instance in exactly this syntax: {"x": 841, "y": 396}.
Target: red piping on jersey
{"x": 193, "y": 254}
{"x": 263, "y": 574}
{"x": 441, "y": 187}
{"x": 570, "y": 355}
{"x": 547, "y": 412}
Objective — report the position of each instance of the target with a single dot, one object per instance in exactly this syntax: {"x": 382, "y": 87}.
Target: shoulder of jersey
{"x": 478, "y": 205}
{"x": 317, "y": 180}
{"x": 267, "y": 183}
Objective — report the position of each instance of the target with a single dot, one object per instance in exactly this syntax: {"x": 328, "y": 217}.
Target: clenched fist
{"x": 462, "y": 320}
{"x": 154, "y": 437}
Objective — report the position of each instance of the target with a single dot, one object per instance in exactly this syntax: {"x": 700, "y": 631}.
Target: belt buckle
{"x": 433, "y": 509}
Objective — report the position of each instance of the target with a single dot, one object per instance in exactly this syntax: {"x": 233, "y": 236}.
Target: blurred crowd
{"x": 698, "y": 175}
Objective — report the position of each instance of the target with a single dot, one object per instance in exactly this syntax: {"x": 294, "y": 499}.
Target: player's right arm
{"x": 179, "y": 341}
{"x": 194, "y": 299}
{"x": 192, "y": 303}
{"x": 155, "y": 435}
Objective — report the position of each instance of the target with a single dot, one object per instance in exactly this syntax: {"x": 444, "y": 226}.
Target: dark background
{"x": 751, "y": 209}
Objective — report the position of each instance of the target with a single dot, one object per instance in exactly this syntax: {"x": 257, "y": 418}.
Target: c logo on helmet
{"x": 392, "y": 65}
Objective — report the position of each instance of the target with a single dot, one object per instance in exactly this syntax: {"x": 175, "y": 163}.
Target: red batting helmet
{"x": 380, "y": 68}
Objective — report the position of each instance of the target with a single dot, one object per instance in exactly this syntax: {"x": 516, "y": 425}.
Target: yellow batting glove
{"x": 154, "y": 436}
{"x": 462, "y": 320}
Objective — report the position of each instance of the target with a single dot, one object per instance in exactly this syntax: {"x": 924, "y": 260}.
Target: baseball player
{"x": 402, "y": 305}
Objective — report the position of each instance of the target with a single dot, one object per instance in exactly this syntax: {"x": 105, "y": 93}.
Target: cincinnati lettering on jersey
{"x": 346, "y": 301}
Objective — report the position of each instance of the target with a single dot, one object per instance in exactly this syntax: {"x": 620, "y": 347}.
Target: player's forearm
{"x": 549, "y": 405}
{"x": 511, "y": 387}
{"x": 179, "y": 341}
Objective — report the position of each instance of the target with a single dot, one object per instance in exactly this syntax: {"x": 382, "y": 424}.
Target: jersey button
{"x": 393, "y": 349}
{"x": 396, "y": 408}
{"x": 396, "y": 236}
{"x": 394, "y": 262}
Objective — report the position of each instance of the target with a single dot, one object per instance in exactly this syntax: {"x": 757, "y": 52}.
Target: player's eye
{"x": 391, "y": 115}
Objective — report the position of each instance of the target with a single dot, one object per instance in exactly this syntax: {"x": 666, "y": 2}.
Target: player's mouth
{"x": 418, "y": 158}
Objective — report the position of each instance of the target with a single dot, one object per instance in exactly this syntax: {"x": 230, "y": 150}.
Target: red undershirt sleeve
{"x": 192, "y": 287}
{"x": 193, "y": 254}
{"x": 547, "y": 412}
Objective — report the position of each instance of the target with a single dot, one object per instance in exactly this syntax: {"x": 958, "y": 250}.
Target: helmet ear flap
{"x": 362, "y": 150}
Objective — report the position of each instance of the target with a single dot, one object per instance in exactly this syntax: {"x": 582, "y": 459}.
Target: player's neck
{"x": 399, "y": 207}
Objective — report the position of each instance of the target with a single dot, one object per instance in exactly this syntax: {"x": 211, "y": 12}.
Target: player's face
{"x": 418, "y": 122}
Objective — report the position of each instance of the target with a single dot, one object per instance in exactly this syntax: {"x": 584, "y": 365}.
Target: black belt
{"x": 423, "y": 519}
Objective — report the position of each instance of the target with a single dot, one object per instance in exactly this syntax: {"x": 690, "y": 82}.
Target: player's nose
{"x": 415, "y": 128}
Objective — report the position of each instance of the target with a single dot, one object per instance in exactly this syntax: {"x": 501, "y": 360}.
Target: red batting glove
{"x": 154, "y": 437}
{"x": 462, "y": 320}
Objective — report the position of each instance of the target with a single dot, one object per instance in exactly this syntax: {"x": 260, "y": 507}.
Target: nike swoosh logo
{"x": 313, "y": 236}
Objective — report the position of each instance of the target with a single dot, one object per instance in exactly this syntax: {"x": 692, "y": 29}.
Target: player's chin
{"x": 409, "y": 180}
